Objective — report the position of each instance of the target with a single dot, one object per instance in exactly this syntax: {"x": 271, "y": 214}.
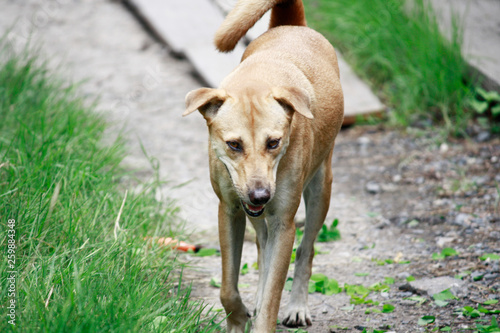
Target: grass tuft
{"x": 76, "y": 272}
{"x": 398, "y": 47}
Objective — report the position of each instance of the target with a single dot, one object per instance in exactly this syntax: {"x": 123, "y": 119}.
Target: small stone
{"x": 420, "y": 180}
{"x": 373, "y": 187}
{"x": 495, "y": 267}
{"x": 477, "y": 275}
{"x": 403, "y": 275}
{"x": 389, "y": 187}
{"x": 431, "y": 286}
{"x": 404, "y": 294}
{"x": 396, "y": 178}
{"x": 439, "y": 202}
{"x": 494, "y": 159}
{"x": 364, "y": 140}
{"x": 491, "y": 276}
{"x": 442, "y": 241}
{"x": 443, "y": 148}
{"x": 483, "y": 136}
{"x": 480, "y": 180}
{"x": 462, "y": 220}
{"x": 495, "y": 234}
{"x": 478, "y": 221}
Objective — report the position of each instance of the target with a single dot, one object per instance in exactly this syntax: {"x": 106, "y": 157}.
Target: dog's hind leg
{"x": 317, "y": 200}
{"x": 231, "y": 233}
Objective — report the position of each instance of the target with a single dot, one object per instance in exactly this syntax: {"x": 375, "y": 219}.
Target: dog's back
{"x": 246, "y": 13}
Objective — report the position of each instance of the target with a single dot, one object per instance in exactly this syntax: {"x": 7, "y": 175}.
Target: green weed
{"x": 399, "y": 49}
{"x": 81, "y": 261}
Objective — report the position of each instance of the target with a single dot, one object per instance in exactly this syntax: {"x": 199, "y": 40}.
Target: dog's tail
{"x": 247, "y": 12}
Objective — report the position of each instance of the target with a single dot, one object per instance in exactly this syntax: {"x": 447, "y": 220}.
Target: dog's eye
{"x": 234, "y": 145}
{"x": 273, "y": 144}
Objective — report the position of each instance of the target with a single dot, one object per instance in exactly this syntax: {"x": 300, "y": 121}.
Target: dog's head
{"x": 249, "y": 133}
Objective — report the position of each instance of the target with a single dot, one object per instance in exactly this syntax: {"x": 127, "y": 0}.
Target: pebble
{"x": 477, "y": 275}
{"x": 364, "y": 140}
{"x": 462, "y": 219}
{"x": 441, "y": 241}
{"x": 373, "y": 187}
{"x": 483, "y": 136}
{"x": 443, "y": 148}
{"x": 389, "y": 187}
{"x": 440, "y": 202}
{"x": 405, "y": 294}
{"x": 396, "y": 178}
{"x": 431, "y": 286}
{"x": 495, "y": 267}
{"x": 469, "y": 231}
{"x": 403, "y": 275}
{"x": 491, "y": 276}
{"x": 480, "y": 180}
{"x": 420, "y": 180}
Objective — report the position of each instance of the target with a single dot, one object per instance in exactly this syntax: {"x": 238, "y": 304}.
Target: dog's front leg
{"x": 260, "y": 227}
{"x": 278, "y": 249}
{"x": 231, "y": 233}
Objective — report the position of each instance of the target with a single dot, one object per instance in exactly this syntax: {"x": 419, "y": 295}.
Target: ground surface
{"x": 401, "y": 198}
{"x": 396, "y": 196}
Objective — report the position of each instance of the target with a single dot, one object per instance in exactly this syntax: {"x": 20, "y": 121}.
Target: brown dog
{"x": 272, "y": 125}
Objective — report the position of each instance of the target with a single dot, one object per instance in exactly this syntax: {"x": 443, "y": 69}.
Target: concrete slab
{"x": 212, "y": 65}
{"x": 359, "y": 100}
{"x": 188, "y": 27}
{"x": 481, "y": 24}
{"x": 177, "y": 22}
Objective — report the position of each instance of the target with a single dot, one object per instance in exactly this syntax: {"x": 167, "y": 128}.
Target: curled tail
{"x": 247, "y": 12}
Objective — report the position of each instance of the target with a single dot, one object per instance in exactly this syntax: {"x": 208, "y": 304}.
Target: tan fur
{"x": 272, "y": 127}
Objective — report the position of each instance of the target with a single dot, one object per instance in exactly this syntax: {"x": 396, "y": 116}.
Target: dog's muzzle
{"x": 258, "y": 198}
{"x": 253, "y": 211}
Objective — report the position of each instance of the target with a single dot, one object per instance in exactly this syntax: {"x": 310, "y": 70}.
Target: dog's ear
{"x": 206, "y": 100}
{"x": 295, "y": 99}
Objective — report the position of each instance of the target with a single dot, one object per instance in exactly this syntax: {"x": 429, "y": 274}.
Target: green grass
{"x": 420, "y": 74}
{"x": 76, "y": 272}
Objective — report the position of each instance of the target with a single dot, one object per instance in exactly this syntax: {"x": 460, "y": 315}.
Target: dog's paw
{"x": 297, "y": 315}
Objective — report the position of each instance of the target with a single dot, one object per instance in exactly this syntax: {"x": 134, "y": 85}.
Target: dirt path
{"x": 395, "y": 197}
{"x": 401, "y": 199}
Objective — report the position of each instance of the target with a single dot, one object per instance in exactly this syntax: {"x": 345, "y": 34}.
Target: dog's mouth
{"x": 253, "y": 211}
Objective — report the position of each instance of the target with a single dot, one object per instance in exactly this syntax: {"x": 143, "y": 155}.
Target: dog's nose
{"x": 259, "y": 196}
